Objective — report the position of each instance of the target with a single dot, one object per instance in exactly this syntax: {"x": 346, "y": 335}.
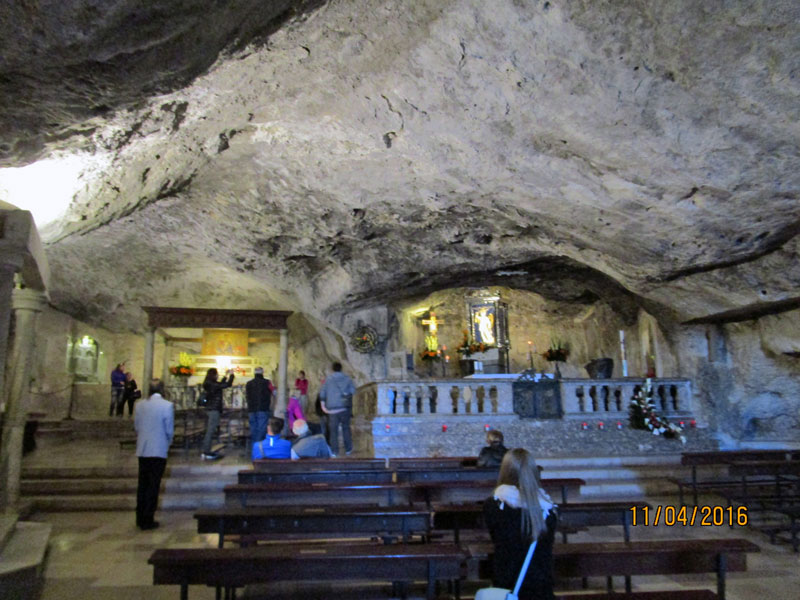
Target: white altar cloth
{"x": 513, "y": 376}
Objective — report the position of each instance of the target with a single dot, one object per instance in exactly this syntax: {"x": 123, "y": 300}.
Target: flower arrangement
{"x": 643, "y": 415}
{"x": 558, "y": 351}
{"x": 469, "y": 346}
{"x": 184, "y": 367}
{"x": 427, "y": 354}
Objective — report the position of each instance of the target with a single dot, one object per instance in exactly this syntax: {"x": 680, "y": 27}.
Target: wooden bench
{"x": 231, "y": 568}
{"x": 662, "y": 557}
{"x": 332, "y": 475}
{"x": 252, "y": 521}
{"x": 281, "y": 465}
{"x": 571, "y": 517}
{"x": 430, "y": 463}
{"x": 386, "y": 494}
{"x": 723, "y": 457}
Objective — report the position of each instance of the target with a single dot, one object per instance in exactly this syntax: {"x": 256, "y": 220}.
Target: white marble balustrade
{"x": 611, "y": 398}
{"x": 450, "y": 397}
{"x": 580, "y": 398}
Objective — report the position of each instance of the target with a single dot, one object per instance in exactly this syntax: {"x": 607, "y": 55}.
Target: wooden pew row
{"x": 724, "y": 457}
{"x": 367, "y": 475}
{"x": 232, "y": 568}
{"x": 663, "y": 557}
{"x": 390, "y": 522}
{"x": 280, "y": 465}
{"x": 386, "y": 494}
{"x": 459, "y": 517}
{"x": 431, "y": 463}
{"x": 386, "y": 522}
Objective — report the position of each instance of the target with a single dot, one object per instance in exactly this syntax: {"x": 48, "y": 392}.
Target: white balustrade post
{"x": 505, "y": 397}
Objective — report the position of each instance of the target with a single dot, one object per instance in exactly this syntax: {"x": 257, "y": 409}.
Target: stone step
{"x": 65, "y": 487}
{"x": 627, "y": 489}
{"x": 8, "y": 522}
{"x": 22, "y": 561}
{"x": 82, "y": 503}
{"x": 31, "y": 473}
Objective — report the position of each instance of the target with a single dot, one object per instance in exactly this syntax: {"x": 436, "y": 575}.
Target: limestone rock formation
{"x": 341, "y": 155}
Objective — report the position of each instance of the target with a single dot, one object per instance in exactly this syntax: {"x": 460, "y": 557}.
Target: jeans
{"x": 343, "y": 419}
{"x": 211, "y": 429}
{"x": 116, "y": 401}
{"x": 258, "y": 425}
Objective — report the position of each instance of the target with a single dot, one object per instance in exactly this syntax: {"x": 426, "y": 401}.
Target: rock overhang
{"x": 365, "y": 154}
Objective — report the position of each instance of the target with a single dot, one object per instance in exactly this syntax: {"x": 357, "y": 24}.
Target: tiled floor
{"x": 103, "y": 556}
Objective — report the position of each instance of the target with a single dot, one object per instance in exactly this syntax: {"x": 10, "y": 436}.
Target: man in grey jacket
{"x": 336, "y": 398}
{"x": 154, "y": 423}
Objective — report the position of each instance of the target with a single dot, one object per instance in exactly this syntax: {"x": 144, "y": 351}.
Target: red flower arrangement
{"x": 181, "y": 370}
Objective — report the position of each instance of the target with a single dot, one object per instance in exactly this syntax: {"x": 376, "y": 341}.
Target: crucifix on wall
{"x": 432, "y": 337}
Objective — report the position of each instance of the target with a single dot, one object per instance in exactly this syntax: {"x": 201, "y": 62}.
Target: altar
{"x": 450, "y": 417}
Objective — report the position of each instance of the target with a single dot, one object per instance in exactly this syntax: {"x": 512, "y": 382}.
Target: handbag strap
{"x": 524, "y": 569}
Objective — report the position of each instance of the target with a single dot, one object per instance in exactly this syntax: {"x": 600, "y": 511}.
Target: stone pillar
{"x": 27, "y": 304}
{"x": 283, "y": 373}
{"x": 165, "y": 361}
{"x": 6, "y": 285}
{"x": 149, "y": 350}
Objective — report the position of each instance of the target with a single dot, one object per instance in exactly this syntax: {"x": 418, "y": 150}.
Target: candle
{"x": 619, "y": 424}
{"x": 486, "y": 427}
{"x": 622, "y": 353}
{"x": 447, "y": 358}
{"x": 693, "y": 423}
{"x": 601, "y": 425}
{"x": 444, "y": 428}
{"x": 584, "y": 426}
{"x": 388, "y": 427}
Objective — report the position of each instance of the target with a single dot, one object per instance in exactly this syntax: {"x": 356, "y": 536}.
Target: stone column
{"x": 149, "y": 351}
{"x": 165, "y": 361}
{"x": 27, "y": 304}
{"x": 283, "y": 373}
{"x": 7, "y": 272}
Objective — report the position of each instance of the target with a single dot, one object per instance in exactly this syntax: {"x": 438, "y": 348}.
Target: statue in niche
{"x": 484, "y": 319}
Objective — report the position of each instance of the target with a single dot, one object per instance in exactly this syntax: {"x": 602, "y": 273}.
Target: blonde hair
{"x": 519, "y": 469}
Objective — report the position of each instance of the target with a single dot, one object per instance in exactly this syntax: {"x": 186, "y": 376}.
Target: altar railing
{"x": 580, "y": 398}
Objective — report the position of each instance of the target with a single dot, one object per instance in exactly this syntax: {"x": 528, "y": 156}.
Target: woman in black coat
{"x": 518, "y": 512}
{"x": 130, "y": 394}
{"x": 213, "y": 391}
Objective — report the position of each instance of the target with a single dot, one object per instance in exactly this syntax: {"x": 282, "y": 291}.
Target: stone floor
{"x": 102, "y": 556}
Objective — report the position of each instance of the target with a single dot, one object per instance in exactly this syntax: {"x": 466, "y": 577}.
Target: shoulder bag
{"x": 493, "y": 593}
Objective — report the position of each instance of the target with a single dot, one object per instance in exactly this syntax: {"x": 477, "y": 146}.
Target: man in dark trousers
{"x": 154, "y": 423}
{"x": 336, "y": 398}
{"x": 259, "y": 405}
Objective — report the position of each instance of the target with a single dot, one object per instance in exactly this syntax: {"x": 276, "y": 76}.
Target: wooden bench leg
{"x": 431, "y": 580}
{"x": 722, "y": 566}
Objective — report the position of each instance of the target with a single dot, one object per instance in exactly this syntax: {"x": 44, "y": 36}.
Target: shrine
{"x": 568, "y": 228}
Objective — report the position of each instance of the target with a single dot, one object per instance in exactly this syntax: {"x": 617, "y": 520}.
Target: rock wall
{"x": 747, "y": 376}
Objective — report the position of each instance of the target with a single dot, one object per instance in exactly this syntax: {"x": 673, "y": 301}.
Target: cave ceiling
{"x": 322, "y": 156}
